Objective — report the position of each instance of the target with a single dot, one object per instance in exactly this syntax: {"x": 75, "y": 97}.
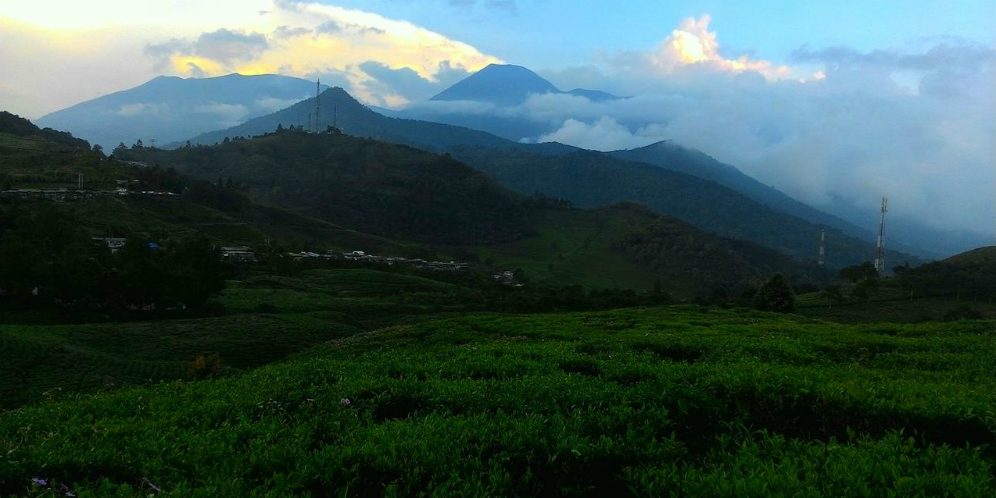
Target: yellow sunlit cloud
{"x": 693, "y": 43}
{"x": 292, "y": 43}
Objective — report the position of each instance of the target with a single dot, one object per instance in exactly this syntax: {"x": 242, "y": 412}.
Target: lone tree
{"x": 775, "y": 295}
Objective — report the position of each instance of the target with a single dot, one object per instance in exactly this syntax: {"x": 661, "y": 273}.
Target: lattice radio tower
{"x": 823, "y": 248}
{"x": 318, "y": 107}
{"x": 880, "y": 247}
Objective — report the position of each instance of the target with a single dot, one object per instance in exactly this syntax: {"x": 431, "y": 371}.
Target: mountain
{"x": 406, "y": 194}
{"x": 356, "y": 119}
{"x": 547, "y": 168}
{"x": 592, "y": 179}
{"x": 696, "y": 163}
{"x": 472, "y": 102}
{"x": 169, "y": 108}
{"x": 372, "y": 186}
{"x": 593, "y": 95}
{"x": 17, "y": 126}
{"x": 498, "y": 83}
{"x": 508, "y": 85}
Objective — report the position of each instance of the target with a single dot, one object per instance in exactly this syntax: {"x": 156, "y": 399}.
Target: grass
{"x": 369, "y": 297}
{"x": 38, "y": 362}
{"x": 676, "y": 401}
{"x": 889, "y": 305}
{"x": 572, "y": 247}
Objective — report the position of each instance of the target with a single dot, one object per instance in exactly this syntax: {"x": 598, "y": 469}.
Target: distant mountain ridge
{"x": 592, "y": 179}
{"x": 548, "y": 168}
{"x": 169, "y": 108}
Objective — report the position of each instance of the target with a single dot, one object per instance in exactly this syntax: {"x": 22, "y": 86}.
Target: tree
{"x": 857, "y": 273}
{"x": 98, "y": 149}
{"x": 775, "y": 295}
{"x": 120, "y": 148}
{"x": 138, "y": 145}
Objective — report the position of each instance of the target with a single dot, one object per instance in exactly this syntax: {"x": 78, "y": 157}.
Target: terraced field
{"x": 679, "y": 401}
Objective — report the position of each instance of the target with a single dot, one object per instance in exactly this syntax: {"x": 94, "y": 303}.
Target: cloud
{"x": 509, "y": 6}
{"x": 407, "y": 83}
{"x": 693, "y": 44}
{"x": 950, "y": 53}
{"x": 289, "y": 32}
{"x": 297, "y": 38}
{"x": 841, "y": 127}
{"x": 271, "y": 104}
{"x": 142, "y": 109}
{"x": 228, "y": 112}
{"x": 226, "y": 46}
{"x": 605, "y": 134}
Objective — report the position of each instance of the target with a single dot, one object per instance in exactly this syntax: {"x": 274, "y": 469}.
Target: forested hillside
{"x": 591, "y": 179}
{"x": 372, "y": 186}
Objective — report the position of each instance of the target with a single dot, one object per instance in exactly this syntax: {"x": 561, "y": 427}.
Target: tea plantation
{"x": 680, "y": 401}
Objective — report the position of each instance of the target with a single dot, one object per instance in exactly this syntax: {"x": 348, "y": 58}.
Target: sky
{"x": 831, "y": 101}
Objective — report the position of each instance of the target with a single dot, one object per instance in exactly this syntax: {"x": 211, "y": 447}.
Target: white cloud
{"x": 272, "y": 104}
{"x": 606, "y": 134}
{"x": 140, "y": 109}
{"x": 226, "y": 112}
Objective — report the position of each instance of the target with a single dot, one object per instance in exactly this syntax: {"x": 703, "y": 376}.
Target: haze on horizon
{"x": 849, "y": 102}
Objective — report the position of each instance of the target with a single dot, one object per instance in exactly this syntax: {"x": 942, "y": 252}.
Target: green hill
{"x": 372, "y": 186}
{"x": 650, "y": 402}
{"x": 975, "y": 256}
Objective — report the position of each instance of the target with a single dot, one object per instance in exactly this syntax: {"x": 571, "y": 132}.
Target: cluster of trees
{"x": 49, "y": 260}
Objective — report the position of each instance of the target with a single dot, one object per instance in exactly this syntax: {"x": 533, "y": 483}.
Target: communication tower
{"x": 880, "y": 247}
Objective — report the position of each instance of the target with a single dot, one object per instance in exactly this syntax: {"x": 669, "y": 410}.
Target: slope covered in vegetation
{"x": 373, "y": 186}
{"x": 592, "y": 179}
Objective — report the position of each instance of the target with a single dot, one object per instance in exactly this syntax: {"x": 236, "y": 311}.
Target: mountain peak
{"x": 498, "y": 83}
{"x": 508, "y": 84}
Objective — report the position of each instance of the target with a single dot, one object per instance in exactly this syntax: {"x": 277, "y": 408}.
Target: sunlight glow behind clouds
{"x": 211, "y": 38}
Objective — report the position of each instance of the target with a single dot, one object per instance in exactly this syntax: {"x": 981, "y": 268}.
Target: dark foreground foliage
{"x": 651, "y": 402}
{"x": 50, "y": 260}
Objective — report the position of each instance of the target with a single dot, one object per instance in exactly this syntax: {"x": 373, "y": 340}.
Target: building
{"x": 112, "y": 243}
{"x": 238, "y": 253}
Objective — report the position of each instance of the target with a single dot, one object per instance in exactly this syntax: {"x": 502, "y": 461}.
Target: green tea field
{"x": 673, "y": 401}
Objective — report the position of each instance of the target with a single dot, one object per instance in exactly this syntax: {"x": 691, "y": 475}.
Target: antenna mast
{"x": 823, "y": 247}
{"x": 318, "y": 106}
{"x": 880, "y": 249}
